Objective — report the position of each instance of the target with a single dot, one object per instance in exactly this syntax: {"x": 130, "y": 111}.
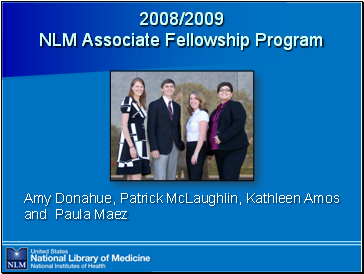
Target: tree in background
{"x": 114, "y": 145}
{"x": 243, "y": 98}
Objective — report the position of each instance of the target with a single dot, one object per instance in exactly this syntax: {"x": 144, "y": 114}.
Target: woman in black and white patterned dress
{"x": 133, "y": 156}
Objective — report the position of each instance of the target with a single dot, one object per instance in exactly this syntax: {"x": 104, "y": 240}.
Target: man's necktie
{"x": 170, "y": 110}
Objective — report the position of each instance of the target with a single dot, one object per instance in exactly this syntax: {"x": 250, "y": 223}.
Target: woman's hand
{"x": 133, "y": 152}
{"x": 194, "y": 159}
{"x": 217, "y": 140}
{"x": 209, "y": 157}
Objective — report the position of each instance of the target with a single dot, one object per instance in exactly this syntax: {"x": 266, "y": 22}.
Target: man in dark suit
{"x": 164, "y": 133}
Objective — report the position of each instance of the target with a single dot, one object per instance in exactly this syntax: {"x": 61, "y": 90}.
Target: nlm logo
{"x": 16, "y": 259}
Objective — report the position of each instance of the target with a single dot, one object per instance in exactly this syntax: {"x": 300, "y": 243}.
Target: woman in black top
{"x": 226, "y": 135}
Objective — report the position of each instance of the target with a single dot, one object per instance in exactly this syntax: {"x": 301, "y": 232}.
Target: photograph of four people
{"x": 221, "y": 133}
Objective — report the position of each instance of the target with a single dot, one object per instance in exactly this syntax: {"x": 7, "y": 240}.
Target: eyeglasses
{"x": 224, "y": 90}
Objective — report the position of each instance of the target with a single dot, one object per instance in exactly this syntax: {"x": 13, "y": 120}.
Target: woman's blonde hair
{"x": 143, "y": 97}
{"x": 200, "y": 98}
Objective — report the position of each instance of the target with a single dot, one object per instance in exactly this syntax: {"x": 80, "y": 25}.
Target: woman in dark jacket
{"x": 226, "y": 135}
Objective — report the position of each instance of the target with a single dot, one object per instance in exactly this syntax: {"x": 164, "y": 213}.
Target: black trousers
{"x": 195, "y": 171}
{"x": 229, "y": 163}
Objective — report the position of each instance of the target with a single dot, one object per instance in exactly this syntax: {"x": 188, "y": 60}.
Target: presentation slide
{"x": 181, "y": 136}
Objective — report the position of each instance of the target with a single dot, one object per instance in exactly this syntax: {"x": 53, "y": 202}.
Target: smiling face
{"x": 137, "y": 89}
{"x": 168, "y": 90}
{"x": 225, "y": 94}
{"x": 194, "y": 103}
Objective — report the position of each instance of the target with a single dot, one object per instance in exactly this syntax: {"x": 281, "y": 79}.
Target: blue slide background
{"x": 56, "y": 123}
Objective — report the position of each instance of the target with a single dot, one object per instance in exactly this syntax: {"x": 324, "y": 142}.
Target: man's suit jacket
{"x": 230, "y": 127}
{"x": 161, "y": 130}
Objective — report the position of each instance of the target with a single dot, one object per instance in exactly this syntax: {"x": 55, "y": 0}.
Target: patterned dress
{"x": 126, "y": 164}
